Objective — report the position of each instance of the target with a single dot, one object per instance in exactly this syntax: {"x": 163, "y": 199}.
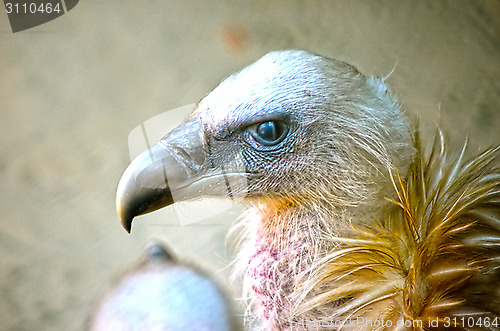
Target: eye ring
{"x": 269, "y": 133}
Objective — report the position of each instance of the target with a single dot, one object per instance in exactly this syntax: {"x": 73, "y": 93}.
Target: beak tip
{"x": 126, "y": 220}
{"x": 127, "y": 227}
{"x": 125, "y": 217}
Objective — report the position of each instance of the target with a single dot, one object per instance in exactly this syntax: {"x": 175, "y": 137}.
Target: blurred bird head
{"x": 292, "y": 127}
{"x": 161, "y": 293}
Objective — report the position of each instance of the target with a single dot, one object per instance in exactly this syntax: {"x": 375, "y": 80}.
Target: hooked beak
{"x": 176, "y": 169}
{"x": 168, "y": 167}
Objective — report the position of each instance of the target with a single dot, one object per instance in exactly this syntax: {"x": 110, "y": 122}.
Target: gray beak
{"x": 147, "y": 183}
{"x": 177, "y": 168}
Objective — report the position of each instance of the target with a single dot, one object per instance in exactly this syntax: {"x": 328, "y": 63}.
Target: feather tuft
{"x": 434, "y": 255}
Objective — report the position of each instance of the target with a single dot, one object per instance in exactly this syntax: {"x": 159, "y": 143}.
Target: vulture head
{"x": 350, "y": 219}
{"x": 293, "y": 127}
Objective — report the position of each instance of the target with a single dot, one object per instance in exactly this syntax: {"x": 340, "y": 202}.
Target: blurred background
{"x": 71, "y": 91}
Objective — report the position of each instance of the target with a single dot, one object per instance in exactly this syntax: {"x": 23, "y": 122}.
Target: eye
{"x": 269, "y": 133}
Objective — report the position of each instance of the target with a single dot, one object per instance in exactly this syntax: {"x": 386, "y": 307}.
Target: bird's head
{"x": 292, "y": 125}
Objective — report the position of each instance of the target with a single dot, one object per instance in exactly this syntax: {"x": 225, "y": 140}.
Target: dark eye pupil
{"x": 268, "y": 131}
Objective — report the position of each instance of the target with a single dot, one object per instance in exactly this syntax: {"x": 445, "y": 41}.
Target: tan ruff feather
{"x": 432, "y": 261}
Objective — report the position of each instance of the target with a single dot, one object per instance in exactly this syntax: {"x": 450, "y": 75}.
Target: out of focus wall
{"x": 72, "y": 89}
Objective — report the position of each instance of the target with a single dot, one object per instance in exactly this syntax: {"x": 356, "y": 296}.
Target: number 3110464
{"x": 32, "y": 8}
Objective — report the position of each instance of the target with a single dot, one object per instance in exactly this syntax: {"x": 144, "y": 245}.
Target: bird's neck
{"x": 281, "y": 240}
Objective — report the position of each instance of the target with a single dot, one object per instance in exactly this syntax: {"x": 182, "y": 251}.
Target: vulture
{"x": 161, "y": 293}
{"x": 353, "y": 221}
